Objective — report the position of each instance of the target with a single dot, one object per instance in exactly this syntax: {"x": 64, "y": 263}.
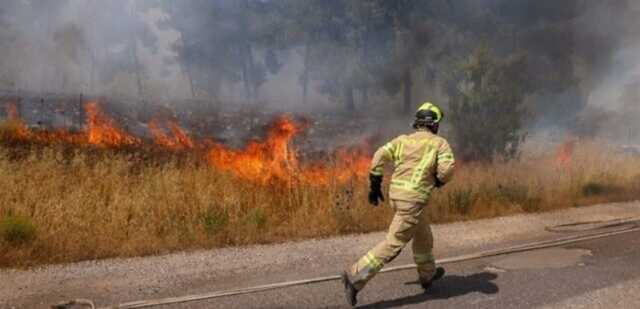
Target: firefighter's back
{"x": 415, "y": 163}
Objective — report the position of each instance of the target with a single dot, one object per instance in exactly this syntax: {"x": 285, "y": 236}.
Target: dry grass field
{"x": 61, "y": 202}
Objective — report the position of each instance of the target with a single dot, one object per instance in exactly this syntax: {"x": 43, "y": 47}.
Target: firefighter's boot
{"x": 426, "y": 284}
{"x": 350, "y": 291}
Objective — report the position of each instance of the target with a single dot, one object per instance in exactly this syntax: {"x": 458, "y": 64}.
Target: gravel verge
{"x": 118, "y": 280}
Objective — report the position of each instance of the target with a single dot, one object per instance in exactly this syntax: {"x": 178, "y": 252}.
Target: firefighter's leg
{"x": 423, "y": 247}
{"x": 401, "y": 231}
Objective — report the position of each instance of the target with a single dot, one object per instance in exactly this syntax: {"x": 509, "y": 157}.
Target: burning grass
{"x": 62, "y": 202}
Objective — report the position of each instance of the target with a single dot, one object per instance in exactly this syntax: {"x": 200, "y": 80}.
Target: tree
{"x": 115, "y": 32}
{"x": 308, "y": 26}
{"x": 486, "y": 105}
{"x": 408, "y": 21}
{"x": 332, "y": 42}
{"x": 346, "y": 44}
{"x": 220, "y": 40}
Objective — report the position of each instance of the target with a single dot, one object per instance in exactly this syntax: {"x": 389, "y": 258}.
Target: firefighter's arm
{"x": 445, "y": 164}
{"x": 383, "y": 155}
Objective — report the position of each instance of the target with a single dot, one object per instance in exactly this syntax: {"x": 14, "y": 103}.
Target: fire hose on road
{"x": 589, "y": 230}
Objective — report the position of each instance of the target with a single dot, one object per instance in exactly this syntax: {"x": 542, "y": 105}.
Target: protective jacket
{"x": 421, "y": 160}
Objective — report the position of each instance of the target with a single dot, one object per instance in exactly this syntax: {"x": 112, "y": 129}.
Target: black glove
{"x": 375, "y": 189}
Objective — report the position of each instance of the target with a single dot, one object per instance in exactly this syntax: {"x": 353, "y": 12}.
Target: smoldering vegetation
{"x": 147, "y": 126}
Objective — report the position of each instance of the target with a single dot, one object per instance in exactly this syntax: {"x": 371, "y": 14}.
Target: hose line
{"x": 589, "y": 230}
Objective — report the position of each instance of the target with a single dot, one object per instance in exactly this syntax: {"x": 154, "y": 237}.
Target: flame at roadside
{"x": 272, "y": 160}
{"x": 17, "y": 125}
{"x": 276, "y": 160}
{"x": 12, "y": 112}
{"x": 178, "y": 140}
{"x": 564, "y": 153}
{"x": 269, "y": 160}
{"x": 99, "y": 130}
{"x": 347, "y": 164}
{"x": 102, "y": 131}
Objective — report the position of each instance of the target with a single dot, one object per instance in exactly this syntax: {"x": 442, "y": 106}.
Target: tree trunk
{"x": 43, "y": 80}
{"x": 253, "y": 86}
{"x": 136, "y": 67}
{"x": 136, "y": 63}
{"x": 79, "y": 116}
{"x": 92, "y": 70}
{"x": 305, "y": 75}
{"x": 247, "y": 72}
{"x": 246, "y": 80}
{"x": 348, "y": 99}
{"x": 365, "y": 95}
{"x": 134, "y": 56}
{"x": 408, "y": 83}
{"x": 91, "y": 49}
{"x": 248, "y": 68}
{"x": 514, "y": 38}
{"x": 187, "y": 73}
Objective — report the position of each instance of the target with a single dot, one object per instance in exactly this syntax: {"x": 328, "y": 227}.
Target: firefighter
{"x": 422, "y": 161}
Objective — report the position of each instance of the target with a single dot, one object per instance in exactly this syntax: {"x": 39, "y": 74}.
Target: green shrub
{"x": 17, "y": 230}
{"x": 461, "y": 200}
{"x": 257, "y": 218}
{"x": 214, "y": 221}
{"x": 596, "y": 189}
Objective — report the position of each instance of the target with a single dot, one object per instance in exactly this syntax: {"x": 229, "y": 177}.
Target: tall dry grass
{"x": 60, "y": 205}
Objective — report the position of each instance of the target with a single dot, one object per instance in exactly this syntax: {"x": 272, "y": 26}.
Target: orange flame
{"x": 349, "y": 163}
{"x": 273, "y": 160}
{"x": 13, "y": 116}
{"x": 262, "y": 161}
{"x": 12, "y": 112}
{"x": 99, "y": 130}
{"x": 564, "y": 154}
{"x": 179, "y": 141}
{"x": 103, "y": 132}
{"x": 276, "y": 160}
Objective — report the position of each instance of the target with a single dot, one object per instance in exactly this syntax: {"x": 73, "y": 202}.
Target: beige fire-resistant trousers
{"x": 409, "y": 222}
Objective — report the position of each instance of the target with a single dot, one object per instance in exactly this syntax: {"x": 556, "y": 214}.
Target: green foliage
{"x": 593, "y": 188}
{"x": 214, "y": 221}
{"x": 486, "y": 106}
{"x": 461, "y": 200}
{"x": 17, "y": 230}
{"x": 257, "y": 218}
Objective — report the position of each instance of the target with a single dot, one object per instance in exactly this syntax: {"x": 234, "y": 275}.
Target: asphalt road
{"x": 603, "y": 273}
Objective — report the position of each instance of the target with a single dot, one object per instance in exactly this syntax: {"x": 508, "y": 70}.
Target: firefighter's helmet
{"x": 428, "y": 114}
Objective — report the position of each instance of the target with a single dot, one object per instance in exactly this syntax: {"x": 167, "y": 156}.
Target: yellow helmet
{"x": 429, "y": 113}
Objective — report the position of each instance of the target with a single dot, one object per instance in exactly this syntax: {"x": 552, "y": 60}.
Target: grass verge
{"x": 61, "y": 204}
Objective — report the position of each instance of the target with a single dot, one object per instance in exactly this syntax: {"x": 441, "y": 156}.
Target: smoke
{"x": 86, "y": 46}
{"x": 280, "y": 54}
{"x": 598, "y": 51}
{"x": 613, "y": 103}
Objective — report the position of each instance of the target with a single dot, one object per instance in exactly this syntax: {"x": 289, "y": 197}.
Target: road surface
{"x": 603, "y": 273}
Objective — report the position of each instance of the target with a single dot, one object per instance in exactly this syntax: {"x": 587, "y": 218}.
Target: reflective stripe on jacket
{"x": 418, "y": 159}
